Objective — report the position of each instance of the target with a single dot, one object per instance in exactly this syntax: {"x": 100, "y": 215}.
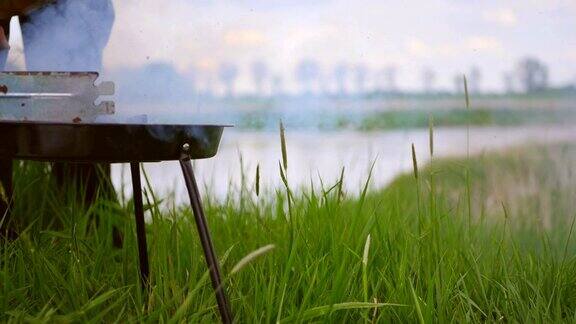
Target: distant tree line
{"x": 527, "y": 76}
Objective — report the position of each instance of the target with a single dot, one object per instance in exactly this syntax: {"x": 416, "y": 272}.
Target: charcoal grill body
{"x": 48, "y": 141}
{"x": 128, "y": 143}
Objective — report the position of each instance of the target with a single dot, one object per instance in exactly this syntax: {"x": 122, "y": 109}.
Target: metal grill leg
{"x": 206, "y": 241}
{"x": 140, "y": 226}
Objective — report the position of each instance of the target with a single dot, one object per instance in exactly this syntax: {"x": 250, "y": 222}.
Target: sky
{"x": 447, "y": 36}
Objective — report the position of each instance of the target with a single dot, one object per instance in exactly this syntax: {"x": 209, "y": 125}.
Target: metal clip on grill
{"x": 53, "y": 96}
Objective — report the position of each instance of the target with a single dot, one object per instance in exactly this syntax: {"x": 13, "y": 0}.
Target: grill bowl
{"x": 101, "y": 142}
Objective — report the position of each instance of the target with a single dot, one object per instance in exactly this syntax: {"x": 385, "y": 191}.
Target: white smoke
{"x": 15, "y": 60}
{"x": 69, "y": 35}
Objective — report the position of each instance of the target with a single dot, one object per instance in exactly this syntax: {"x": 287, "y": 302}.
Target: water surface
{"x": 314, "y": 155}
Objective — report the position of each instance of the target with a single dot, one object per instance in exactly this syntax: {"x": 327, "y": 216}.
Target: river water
{"x": 314, "y": 155}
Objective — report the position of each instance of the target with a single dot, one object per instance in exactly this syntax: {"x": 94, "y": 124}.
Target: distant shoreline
{"x": 384, "y": 112}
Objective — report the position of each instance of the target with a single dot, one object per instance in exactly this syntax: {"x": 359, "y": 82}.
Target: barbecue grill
{"x": 52, "y": 117}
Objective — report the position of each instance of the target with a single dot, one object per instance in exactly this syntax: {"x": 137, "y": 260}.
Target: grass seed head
{"x": 257, "y": 181}
{"x": 466, "y": 92}
{"x": 283, "y": 144}
{"x": 414, "y": 162}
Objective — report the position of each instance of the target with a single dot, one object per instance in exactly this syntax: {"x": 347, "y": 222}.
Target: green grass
{"x": 411, "y": 252}
{"x": 415, "y": 117}
{"x": 418, "y": 118}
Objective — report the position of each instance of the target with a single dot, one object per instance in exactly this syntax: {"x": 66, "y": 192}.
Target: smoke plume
{"x": 69, "y": 35}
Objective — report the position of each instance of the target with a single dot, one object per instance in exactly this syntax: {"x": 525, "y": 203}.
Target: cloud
{"x": 244, "y": 37}
{"x": 505, "y": 17}
{"x": 418, "y": 48}
{"x": 483, "y": 43}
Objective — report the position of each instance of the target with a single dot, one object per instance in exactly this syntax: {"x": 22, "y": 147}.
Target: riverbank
{"x": 465, "y": 240}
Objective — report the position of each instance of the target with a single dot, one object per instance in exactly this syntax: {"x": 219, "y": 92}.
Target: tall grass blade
{"x": 416, "y": 304}
{"x": 251, "y": 257}
{"x": 283, "y": 145}
{"x": 285, "y": 182}
{"x": 98, "y": 300}
{"x": 366, "y": 185}
{"x": 431, "y": 134}
{"x": 414, "y": 162}
{"x": 467, "y": 172}
{"x": 326, "y": 309}
{"x": 281, "y": 304}
{"x": 257, "y": 181}
{"x": 340, "y": 185}
{"x": 365, "y": 267}
{"x": 183, "y": 308}
{"x": 466, "y": 92}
